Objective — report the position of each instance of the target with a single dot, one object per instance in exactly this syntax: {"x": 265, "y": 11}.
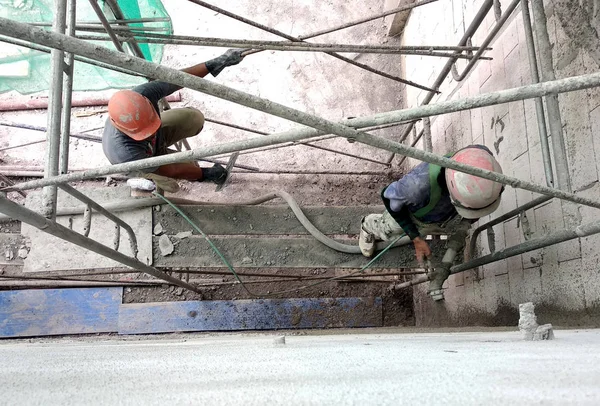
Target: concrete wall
{"x": 564, "y": 280}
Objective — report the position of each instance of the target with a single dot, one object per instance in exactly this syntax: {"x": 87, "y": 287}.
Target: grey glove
{"x": 229, "y": 58}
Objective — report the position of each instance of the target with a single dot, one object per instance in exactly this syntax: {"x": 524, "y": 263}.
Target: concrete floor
{"x": 368, "y": 369}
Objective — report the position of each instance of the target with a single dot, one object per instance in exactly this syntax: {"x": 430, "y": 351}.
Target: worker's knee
{"x": 196, "y": 119}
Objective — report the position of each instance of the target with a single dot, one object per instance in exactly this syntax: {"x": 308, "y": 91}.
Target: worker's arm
{"x": 186, "y": 171}
{"x": 215, "y": 66}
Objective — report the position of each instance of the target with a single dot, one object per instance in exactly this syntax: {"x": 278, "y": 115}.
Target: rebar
{"x": 118, "y": 13}
{"x": 55, "y": 96}
{"x": 295, "y": 39}
{"x": 552, "y": 106}
{"x": 24, "y": 145}
{"x": 24, "y": 126}
{"x": 30, "y": 217}
{"x": 539, "y": 104}
{"x": 321, "y": 126}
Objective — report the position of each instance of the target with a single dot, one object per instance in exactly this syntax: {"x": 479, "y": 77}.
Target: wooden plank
{"x": 263, "y": 314}
{"x": 195, "y": 252}
{"x": 264, "y": 220}
{"x": 45, "y": 312}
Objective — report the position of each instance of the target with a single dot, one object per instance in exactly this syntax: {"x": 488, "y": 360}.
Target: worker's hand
{"x": 229, "y": 58}
{"x": 422, "y": 250}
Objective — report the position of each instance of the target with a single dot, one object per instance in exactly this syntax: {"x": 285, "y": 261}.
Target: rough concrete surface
{"x": 379, "y": 368}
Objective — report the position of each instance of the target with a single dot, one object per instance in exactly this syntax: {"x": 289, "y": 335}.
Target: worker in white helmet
{"x": 431, "y": 199}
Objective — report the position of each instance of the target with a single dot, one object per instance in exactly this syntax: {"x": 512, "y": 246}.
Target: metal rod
{"x": 112, "y": 21}
{"x": 405, "y": 7}
{"x": 427, "y": 141}
{"x": 91, "y": 203}
{"x": 539, "y": 104}
{"x": 284, "y": 45}
{"x": 415, "y": 142}
{"x": 469, "y": 32}
{"x": 86, "y": 137}
{"x": 554, "y": 118}
{"x": 497, "y": 27}
{"x": 239, "y": 127}
{"x": 503, "y": 218}
{"x": 67, "y": 93}
{"x": 321, "y": 126}
{"x": 106, "y": 25}
{"x": 30, "y": 217}
{"x": 236, "y": 165}
{"x": 49, "y": 195}
{"x": 23, "y": 145}
{"x": 116, "y": 9}
{"x": 294, "y": 39}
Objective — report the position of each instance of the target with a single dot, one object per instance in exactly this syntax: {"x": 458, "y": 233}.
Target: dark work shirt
{"x": 120, "y": 148}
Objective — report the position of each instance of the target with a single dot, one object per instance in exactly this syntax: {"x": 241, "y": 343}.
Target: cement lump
{"x": 529, "y": 327}
{"x": 165, "y": 245}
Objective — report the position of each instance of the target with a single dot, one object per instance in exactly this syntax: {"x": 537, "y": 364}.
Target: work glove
{"x": 216, "y": 174}
{"x": 229, "y": 58}
{"x": 422, "y": 250}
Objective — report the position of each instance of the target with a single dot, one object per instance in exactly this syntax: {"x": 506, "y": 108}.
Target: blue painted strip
{"x": 268, "y": 314}
{"x": 44, "y": 312}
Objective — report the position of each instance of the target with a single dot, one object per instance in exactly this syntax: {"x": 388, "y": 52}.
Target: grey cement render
{"x": 377, "y": 368}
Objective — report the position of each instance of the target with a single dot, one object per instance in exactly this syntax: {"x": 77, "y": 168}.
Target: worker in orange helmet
{"x": 435, "y": 200}
{"x": 135, "y": 129}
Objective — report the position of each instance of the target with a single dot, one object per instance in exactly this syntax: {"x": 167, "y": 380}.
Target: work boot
{"x": 366, "y": 241}
{"x": 216, "y": 174}
{"x": 438, "y": 277}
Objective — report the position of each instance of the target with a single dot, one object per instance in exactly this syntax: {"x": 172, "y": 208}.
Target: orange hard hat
{"x": 133, "y": 114}
{"x": 472, "y": 196}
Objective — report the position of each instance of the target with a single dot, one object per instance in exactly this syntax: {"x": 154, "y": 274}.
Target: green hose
{"x": 237, "y": 277}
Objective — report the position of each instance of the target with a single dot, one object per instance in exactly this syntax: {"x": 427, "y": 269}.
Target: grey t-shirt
{"x": 120, "y": 148}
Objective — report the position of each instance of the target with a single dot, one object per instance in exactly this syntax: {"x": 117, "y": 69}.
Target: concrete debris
{"x": 183, "y": 234}
{"x": 23, "y": 253}
{"x": 544, "y": 332}
{"x": 527, "y": 320}
{"x": 179, "y": 291}
{"x": 157, "y": 208}
{"x": 165, "y": 245}
{"x": 158, "y": 229}
{"x": 529, "y": 327}
{"x": 247, "y": 260}
{"x": 279, "y": 341}
{"x": 9, "y": 254}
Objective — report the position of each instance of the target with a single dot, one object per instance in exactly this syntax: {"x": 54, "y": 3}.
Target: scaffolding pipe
{"x": 288, "y": 46}
{"x": 32, "y": 218}
{"x": 321, "y": 126}
{"x": 506, "y": 216}
{"x": 427, "y": 141}
{"x": 106, "y": 25}
{"x": 486, "y": 42}
{"x": 469, "y": 32}
{"x": 55, "y": 95}
{"x": 531, "y": 245}
{"x": 554, "y": 118}
{"x": 112, "y": 22}
{"x": 295, "y": 39}
{"x": 116, "y": 9}
{"x": 67, "y": 93}
{"x": 539, "y": 104}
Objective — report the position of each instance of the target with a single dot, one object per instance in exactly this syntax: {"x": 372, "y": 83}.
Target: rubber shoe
{"x": 366, "y": 243}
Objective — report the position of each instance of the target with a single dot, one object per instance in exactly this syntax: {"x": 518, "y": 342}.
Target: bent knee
{"x": 196, "y": 118}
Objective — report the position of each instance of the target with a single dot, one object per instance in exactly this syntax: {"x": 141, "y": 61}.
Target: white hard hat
{"x": 472, "y": 196}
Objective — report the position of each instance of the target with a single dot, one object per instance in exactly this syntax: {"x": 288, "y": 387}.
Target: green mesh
{"x": 28, "y": 71}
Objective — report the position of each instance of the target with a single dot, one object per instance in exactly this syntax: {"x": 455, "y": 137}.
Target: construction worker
{"x": 435, "y": 200}
{"x": 135, "y": 129}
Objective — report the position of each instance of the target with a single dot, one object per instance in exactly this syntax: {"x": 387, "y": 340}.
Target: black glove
{"x": 229, "y": 58}
{"x": 216, "y": 174}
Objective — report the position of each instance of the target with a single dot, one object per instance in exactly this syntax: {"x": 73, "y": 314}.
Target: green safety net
{"x": 27, "y": 71}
